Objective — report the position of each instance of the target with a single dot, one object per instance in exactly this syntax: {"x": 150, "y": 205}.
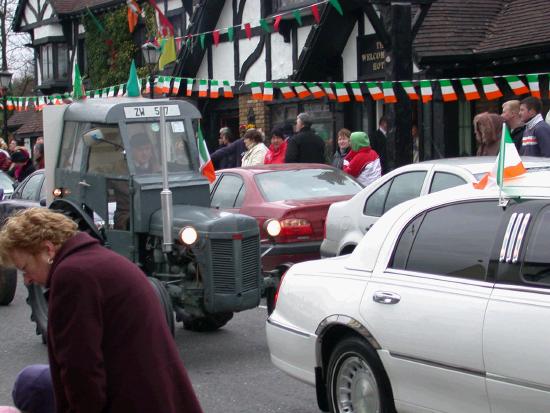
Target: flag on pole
{"x": 470, "y": 89}
{"x": 426, "y": 91}
{"x": 490, "y": 88}
{"x": 389, "y": 94}
{"x": 268, "y": 91}
{"x": 206, "y": 165}
{"x": 287, "y": 91}
{"x": 508, "y": 164}
{"x": 227, "y": 90}
{"x": 341, "y": 92}
{"x": 168, "y": 51}
{"x": 356, "y": 90}
{"x": 375, "y": 91}
{"x": 189, "y": 89}
{"x": 327, "y": 87}
{"x": 447, "y": 91}
{"x": 533, "y": 81}
{"x": 315, "y": 90}
{"x": 203, "y": 88}
{"x": 409, "y": 90}
{"x": 517, "y": 85}
{"x": 301, "y": 90}
{"x": 256, "y": 91}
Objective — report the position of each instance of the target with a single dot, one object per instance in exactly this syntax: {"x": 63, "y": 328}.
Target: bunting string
{"x": 473, "y": 88}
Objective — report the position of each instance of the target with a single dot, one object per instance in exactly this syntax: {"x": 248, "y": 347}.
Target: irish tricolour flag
{"x": 507, "y": 166}
{"x": 206, "y": 165}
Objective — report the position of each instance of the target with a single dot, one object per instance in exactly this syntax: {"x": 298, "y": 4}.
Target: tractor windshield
{"x": 144, "y": 149}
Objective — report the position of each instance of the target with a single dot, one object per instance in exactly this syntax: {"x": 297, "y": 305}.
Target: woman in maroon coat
{"x": 109, "y": 346}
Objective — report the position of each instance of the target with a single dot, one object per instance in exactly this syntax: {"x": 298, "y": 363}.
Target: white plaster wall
{"x": 303, "y": 33}
{"x": 368, "y": 26}
{"x": 81, "y": 29}
{"x": 48, "y": 30}
{"x": 49, "y": 11}
{"x": 29, "y": 15}
{"x": 349, "y": 56}
{"x": 222, "y": 61}
{"x": 281, "y": 57}
{"x": 251, "y": 13}
{"x": 172, "y": 4}
{"x": 202, "y": 73}
{"x": 226, "y": 17}
{"x": 257, "y": 71}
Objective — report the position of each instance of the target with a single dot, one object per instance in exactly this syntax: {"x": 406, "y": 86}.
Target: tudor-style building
{"x": 57, "y": 34}
{"x": 456, "y": 39}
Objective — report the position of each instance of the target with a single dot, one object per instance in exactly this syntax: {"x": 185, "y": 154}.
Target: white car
{"x": 347, "y": 221}
{"x": 444, "y": 306}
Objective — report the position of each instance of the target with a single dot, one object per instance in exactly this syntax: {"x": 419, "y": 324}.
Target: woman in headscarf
{"x": 362, "y": 162}
{"x": 488, "y": 130}
{"x": 256, "y": 150}
{"x": 109, "y": 345}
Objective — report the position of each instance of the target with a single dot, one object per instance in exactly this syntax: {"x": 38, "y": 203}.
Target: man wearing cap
{"x": 362, "y": 162}
{"x": 306, "y": 146}
{"x": 33, "y": 390}
{"x": 23, "y": 164}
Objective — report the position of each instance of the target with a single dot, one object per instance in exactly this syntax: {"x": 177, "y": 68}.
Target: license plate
{"x": 136, "y": 112}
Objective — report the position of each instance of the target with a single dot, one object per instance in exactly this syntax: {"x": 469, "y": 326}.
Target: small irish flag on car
{"x": 206, "y": 165}
{"x": 508, "y": 164}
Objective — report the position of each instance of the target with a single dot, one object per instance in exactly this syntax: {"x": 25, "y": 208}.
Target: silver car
{"x": 348, "y": 221}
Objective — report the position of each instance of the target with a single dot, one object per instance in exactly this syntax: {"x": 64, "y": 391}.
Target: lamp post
{"x": 151, "y": 54}
{"x": 5, "y": 80}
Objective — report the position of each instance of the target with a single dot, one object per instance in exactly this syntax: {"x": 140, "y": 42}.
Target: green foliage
{"x": 109, "y": 53}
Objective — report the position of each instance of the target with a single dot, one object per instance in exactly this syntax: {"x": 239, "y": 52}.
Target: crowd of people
{"x": 16, "y": 160}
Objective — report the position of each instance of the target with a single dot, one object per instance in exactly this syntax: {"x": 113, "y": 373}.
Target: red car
{"x": 298, "y": 195}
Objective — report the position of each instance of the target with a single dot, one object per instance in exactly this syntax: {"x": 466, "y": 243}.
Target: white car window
{"x": 374, "y": 206}
{"x": 227, "y": 191}
{"x": 536, "y": 265}
{"x": 404, "y": 187}
{"x": 452, "y": 240}
{"x": 444, "y": 180}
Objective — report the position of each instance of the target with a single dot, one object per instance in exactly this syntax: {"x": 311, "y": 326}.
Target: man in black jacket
{"x": 378, "y": 142}
{"x": 305, "y": 146}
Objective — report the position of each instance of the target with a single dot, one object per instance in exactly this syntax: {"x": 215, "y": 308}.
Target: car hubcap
{"x": 356, "y": 388}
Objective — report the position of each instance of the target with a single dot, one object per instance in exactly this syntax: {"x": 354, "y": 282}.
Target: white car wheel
{"x": 356, "y": 381}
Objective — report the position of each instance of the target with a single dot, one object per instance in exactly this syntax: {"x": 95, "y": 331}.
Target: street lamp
{"x": 151, "y": 54}
{"x": 5, "y": 80}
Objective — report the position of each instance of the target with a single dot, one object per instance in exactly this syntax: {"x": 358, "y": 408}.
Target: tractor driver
{"x": 143, "y": 155}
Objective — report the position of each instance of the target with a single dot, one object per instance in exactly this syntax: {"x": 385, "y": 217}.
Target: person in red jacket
{"x": 109, "y": 346}
{"x": 362, "y": 162}
{"x": 277, "y": 150}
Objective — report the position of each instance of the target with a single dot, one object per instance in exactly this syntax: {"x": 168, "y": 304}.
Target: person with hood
{"x": 277, "y": 149}
{"x": 363, "y": 163}
{"x": 488, "y": 129}
{"x": 342, "y": 149}
{"x": 23, "y": 164}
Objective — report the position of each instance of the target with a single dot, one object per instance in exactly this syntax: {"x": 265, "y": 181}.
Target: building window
{"x": 279, "y": 5}
{"x": 62, "y": 62}
{"x": 46, "y": 55}
{"x": 178, "y": 23}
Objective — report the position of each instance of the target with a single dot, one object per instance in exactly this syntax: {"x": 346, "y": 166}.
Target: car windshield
{"x": 305, "y": 184}
{"x": 144, "y": 148}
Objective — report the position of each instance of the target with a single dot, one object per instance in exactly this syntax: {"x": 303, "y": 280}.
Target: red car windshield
{"x": 303, "y": 184}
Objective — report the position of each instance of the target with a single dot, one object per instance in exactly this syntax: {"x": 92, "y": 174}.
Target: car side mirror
{"x": 43, "y": 202}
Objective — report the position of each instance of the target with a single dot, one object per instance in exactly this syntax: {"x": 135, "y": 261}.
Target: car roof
{"x": 480, "y": 164}
{"x": 278, "y": 167}
{"x": 531, "y": 185}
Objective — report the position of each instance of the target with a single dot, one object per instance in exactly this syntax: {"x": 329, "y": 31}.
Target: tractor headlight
{"x": 188, "y": 235}
{"x": 272, "y": 227}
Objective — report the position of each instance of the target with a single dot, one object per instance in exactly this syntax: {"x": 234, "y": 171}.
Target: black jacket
{"x": 517, "y": 136}
{"x": 305, "y": 147}
{"x": 229, "y": 156}
{"x": 378, "y": 143}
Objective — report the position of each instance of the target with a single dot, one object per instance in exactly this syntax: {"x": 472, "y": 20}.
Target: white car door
{"x": 426, "y": 302}
{"x": 517, "y": 327}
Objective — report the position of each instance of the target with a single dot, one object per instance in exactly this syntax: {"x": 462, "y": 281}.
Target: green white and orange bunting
{"x": 490, "y": 88}
{"x": 534, "y": 86}
{"x": 426, "y": 91}
{"x": 447, "y": 91}
{"x": 518, "y": 85}
{"x": 470, "y": 90}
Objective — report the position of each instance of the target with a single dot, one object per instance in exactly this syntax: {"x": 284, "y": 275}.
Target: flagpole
{"x": 500, "y": 168}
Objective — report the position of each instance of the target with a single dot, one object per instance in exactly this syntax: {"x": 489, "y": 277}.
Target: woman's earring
{"x": 50, "y": 261}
